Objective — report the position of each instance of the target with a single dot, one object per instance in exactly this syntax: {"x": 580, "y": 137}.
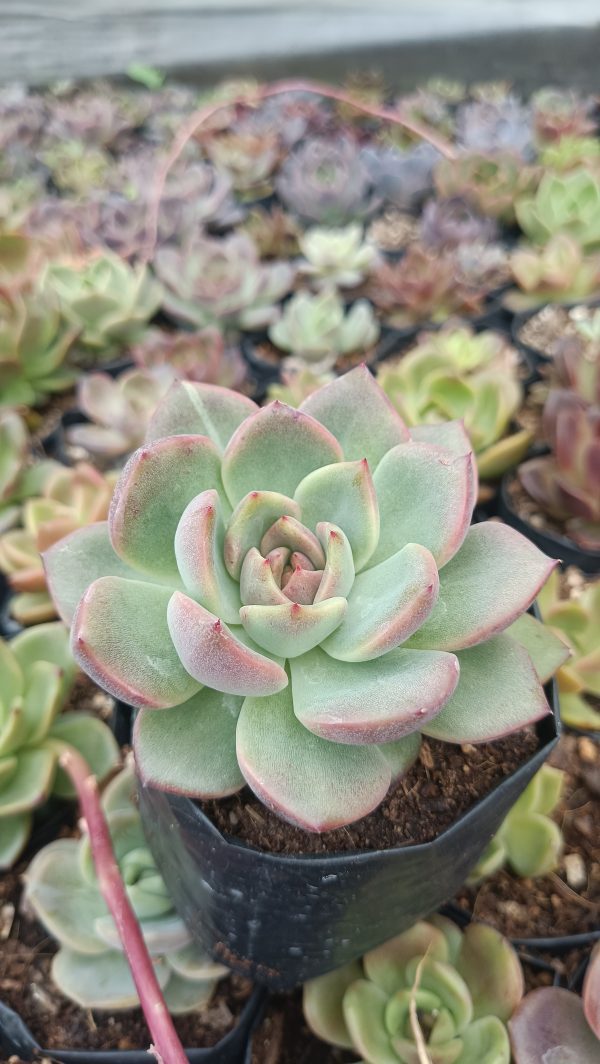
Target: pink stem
{"x": 167, "y": 1048}
{"x": 252, "y": 97}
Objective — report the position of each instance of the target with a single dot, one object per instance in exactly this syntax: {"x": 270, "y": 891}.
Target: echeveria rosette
{"x": 296, "y": 592}
{"x": 430, "y": 994}
{"x": 37, "y": 673}
{"x": 90, "y": 967}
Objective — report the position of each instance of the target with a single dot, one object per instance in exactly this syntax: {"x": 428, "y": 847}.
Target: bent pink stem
{"x": 166, "y": 1048}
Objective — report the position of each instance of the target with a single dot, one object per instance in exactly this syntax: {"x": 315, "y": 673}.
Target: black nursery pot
{"x": 284, "y": 919}
{"x": 550, "y": 542}
{"x": 16, "y": 1039}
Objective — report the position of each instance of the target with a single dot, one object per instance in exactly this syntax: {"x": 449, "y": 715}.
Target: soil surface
{"x": 283, "y": 1037}
{"x": 26, "y": 953}
{"x": 551, "y": 325}
{"x": 444, "y": 783}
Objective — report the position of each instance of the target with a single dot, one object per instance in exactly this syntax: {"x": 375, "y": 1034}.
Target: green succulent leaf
{"x": 200, "y": 410}
{"x": 100, "y": 982}
{"x": 92, "y": 739}
{"x": 14, "y": 833}
{"x": 55, "y": 875}
{"x": 492, "y": 970}
{"x": 322, "y": 1004}
{"x": 546, "y": 650}
{"x": 31, "y": 782}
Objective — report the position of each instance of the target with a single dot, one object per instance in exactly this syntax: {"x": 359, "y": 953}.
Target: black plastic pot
{"x": 284, "y": 919}
{"x": 536, "y": 358}
{"x": 54, "y": 443}
{"x": 262, "y": 372}
{"x": 550, "y": 542}
{"x": 17, "y": 1039}
{"x": 8, "y": 626}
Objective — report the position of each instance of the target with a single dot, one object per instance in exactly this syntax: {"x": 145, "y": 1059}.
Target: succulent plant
{"x": 249, "y": 158}
{"x": 106, "y": 300}
{"x": 340, "y": 257}
{"x": 341, "y": 520}
{"x": 529, "y": 841}
{"x": 575, "y": 621}
{"x": 566, "y": 483}
{"x": 493, "y": 126}
{"x": 297, "y": 383}
{"x": 70, "y": 498}
{"x": 490, "y": 183}
{"x": 563, "y": 203}
{"x": 559, "y": 272}
{"x": 18, "y": 478}
{"x": 200, "y": 356}
{"x": 571, "y": 152}
{"x": 275, "y": 233}
{"x": 16, "y": 199}
{"x": 326, "y": 182}
{"x": 20, "y": 260}
{"x": 97, "y": 117}
{"x": 77, "y": 167}
{"x": 222, "y": 282}
{"x": 431, "y": 994}
{"x": 555, "y": 1025}
{"x": 576, "y": 357}
{"x": 401, "y": 178}
{"x": 90, "y": 967}
{"x": 425, "y": 105}
{"x": 119, "y": 409}
{"x": 34, "y": 343}
{"x": 451, "y": 222}
{"x": 459, "y": 374}
{"x": 560, "y": 113}
{"x": 316, "y": 329}
{"x": 37, "y": 674}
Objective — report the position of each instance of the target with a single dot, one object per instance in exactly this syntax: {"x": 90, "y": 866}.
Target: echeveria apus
{"x": 296, "y": 593}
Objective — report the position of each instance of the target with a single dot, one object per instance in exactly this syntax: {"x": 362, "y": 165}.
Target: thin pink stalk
{"x": 254, "y": 96}
{"x": 167, "y": 1048}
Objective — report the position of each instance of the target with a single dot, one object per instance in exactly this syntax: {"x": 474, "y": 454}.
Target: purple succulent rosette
{"x": 291, "y": 597}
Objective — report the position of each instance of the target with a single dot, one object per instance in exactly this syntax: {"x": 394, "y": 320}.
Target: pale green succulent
{"x": 297, "y": 383}
{"x": 563, "y": 203}
{"x": 90, "y": 967}
{"x": 432, "y": 994}
{"x": 37, "y": 673}
{"x": 316, "y": 329}
{"x": 302, "y": 588}
{"x": 571, "y": 151}
{"x": 529, "y": 841}
{"x": 34, "y": 343}
{"x": 457, "y": 373}
{"x": 77, "y": 167}
{"x": 558, "y": 272}
{"x": 108, "y": 301}
{"x": 577, "y": 622}
{"x": 339, "y": 257}
{"x": 19, "y": 480}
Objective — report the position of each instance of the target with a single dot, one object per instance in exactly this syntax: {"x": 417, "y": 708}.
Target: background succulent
{"x": 401, "y": 178}
{"x": 336, "y": 257}
{"x": 457, "y": 373}
{"x": 274, "y": 232}
{"x": 348, "y": 554}
{"x": 297, "y": 383}
{"x": 451, "y": 222}
{"x": 68, "y": 499}
{"x": 201, "y": 356}
{"x": 37, "y": 673}
{"x": 558, "y": 272}
{"x": 118, "y": 409}
{"x": 563, "y": 203}
{"x": 491, "y": 183}
{"x": 529, "y": 841}
{"x": 570, "y": 152}
{"x": 316, "y": 329}
{"x": 222, "y": 282}
{"x": 89, "y": 967}
{"x": 34, "y": 344}
{"x": 19, "y": 478}
{"x": 77, "y": 167}
{"x": 326, "y": 182}
{"x": 496, "y": 126}
{"x": 575, "y": 621}
{"x": 248, "y": 157}
{"x": 560, "y": 113}
{"x": 422, "y": 996}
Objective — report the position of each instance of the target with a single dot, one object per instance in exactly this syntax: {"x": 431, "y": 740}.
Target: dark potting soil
{"x": 566, "y": 902}
{"x": 26, "y": 986}
{"x": 546, "y": 329}
{"x": 444, "y": 783}
{"x": 283, "y": 1037}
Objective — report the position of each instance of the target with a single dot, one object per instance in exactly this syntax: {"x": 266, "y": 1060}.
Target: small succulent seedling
{"x": 496, "y": 125}
{"x": 559, "y": 272}
{"x": 432, "y": 994}
{"x": 34, "y": 345}
{"x": 118, "y": 410}
{"x": 571, "y": 152}
{"x": 248, "y": 157}
{"x": 447, "y": 223}
{"x": 562, "y": 114}
{"x": 563, "y": 203}
{"x": 63, "y": 891}
{"x": 211, "y": 281}
{"x": 68, "y": 499}
{"x": 312, "y": 594}
{"x": 491, "y": 183}
{"x": 37, "y": 672}
{"x": 401, "y": 178}
{"x": 529, "y": 841}
{"x": 19, "y": 479}
{"x": 339, "y": 257}
{"x": 297, "y": 383}
{"x": 201, "y": 356}
{"x": 316, "y": 329}
{"x": 326, "y": 182}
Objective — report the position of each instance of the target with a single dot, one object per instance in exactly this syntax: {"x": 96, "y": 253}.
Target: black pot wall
{"x": 17, "y": 1039}
{"x": 283, "y": 919}
{"x": 551, "y": 543}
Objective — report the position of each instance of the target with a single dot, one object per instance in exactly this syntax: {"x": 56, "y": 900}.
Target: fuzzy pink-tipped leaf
{"x": 492, "y": 971}
{"x": 289, "y": 532}
{"x": 549, "y": 1027}
{"x": 257, "y": 582}
{"x": 303, "y": 585}
{"x": 386, "y": 605}
{"x": 120, "y": 637}
{"x": 274, "y": 450}
{"x": 338, "y": 574}
{"x": 292, "y": 629}
{"x": 498, "y": 693}
{"x": 492, "y": 580}
{"x": 426, "y": 495}
{"x": 213, "y": 655}
{"x": 248, "y": 523}
{"x": 344, "y": 495}
{"x": 199, "y": 542}
{"x": 206, "y": 723}
{"x": 200, "y": 410}
{"x": 359, "y": 414}
{"x": 153, "y": 490}
{"x": 309, "y": 781}
{"x": 376, "y": 701}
